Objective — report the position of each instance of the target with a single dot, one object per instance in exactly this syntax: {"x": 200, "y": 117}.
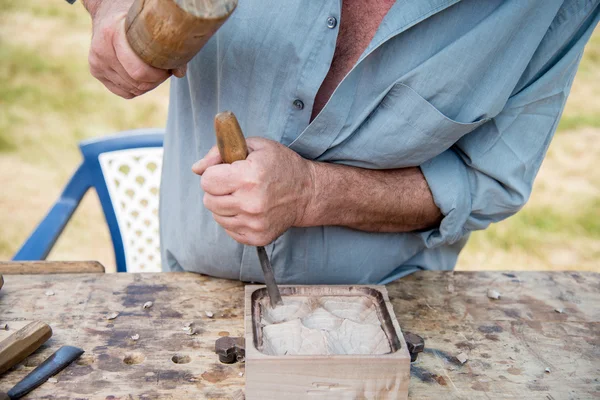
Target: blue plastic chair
{"x": 92, "y": 173}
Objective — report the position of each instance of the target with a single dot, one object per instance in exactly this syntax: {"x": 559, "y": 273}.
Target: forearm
{"x": 396, "y": 200}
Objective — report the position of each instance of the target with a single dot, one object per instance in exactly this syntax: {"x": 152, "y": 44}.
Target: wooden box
{"x": 325, "y": 342}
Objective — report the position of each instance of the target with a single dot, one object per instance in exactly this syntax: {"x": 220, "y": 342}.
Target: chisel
{"x": 51, "y": 366}
{"x": 232, "y": 147}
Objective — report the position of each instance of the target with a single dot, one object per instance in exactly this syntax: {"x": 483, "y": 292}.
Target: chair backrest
{"x": 133, "y": 178}
{"x": 125, "y": 170}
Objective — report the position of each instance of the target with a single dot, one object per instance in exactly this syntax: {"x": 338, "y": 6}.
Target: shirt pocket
{"x": 403, "y": 130}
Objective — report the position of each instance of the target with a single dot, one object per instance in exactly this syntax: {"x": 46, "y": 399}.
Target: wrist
{"x": 92, "y": 7}
{"x": 310, "y": 194}
{"x": 100, "y": 9}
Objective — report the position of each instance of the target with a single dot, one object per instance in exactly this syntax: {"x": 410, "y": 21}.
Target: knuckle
{"x": 144, "y": 87}
{"x": 205, "y": 182}
{"x": 207, "y": 202}
{"x": 139, "y": 74}
{"x": 258, "y": 225}
{"x": 256, "y": 207}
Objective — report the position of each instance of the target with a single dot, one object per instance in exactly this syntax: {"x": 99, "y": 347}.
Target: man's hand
{"x": 111, "y": 59}
{"x": 257, "y": 199}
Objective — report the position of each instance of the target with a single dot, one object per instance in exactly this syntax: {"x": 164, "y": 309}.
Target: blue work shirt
{"x": 471, "y": 91}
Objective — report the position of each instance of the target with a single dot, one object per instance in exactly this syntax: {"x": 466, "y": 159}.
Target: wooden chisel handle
{"x": 22, "y": 343}
{"x": 230, "y": 139}
{"x": 168, "y": 33}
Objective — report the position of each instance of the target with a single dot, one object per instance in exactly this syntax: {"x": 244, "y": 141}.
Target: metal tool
{"x": 231, "y": 349}
{"x": 232, "y": 147}
{"x": 22, "y": 343}
{"x": 51, "y": 366}
{"x": 415, "y": 345}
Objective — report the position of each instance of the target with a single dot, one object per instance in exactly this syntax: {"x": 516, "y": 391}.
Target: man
{"x": 381, "y": 133}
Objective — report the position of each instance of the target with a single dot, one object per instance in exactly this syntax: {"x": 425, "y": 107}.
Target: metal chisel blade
{"x": 54, "y": 364}
{"x": 272, "y": 289}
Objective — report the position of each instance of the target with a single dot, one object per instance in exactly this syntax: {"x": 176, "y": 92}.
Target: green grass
{"x": 57, "y": 88}
{"x": 590, "y": 61}
{"x": 530, "y": 228}
{"x": 578, "y": 121}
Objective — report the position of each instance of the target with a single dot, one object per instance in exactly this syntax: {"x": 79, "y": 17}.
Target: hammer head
{"x": 167, "y": 34}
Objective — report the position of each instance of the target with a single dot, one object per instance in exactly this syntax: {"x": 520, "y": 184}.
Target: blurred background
{"x": 49, "y": 102}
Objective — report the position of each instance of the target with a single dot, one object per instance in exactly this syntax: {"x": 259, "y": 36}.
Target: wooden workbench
{"x": 509, "y": 342}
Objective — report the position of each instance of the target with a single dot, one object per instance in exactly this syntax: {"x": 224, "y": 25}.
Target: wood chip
{"x": 112, "y": 315}
{"x": 462, "y": 357}
{"x": 4, "y": 327}
{"x": 558, "y": 310}
{"x": 135, "y": 337}
{"x": 547, "y": 370}
{"x": 49, "y": 293}
{"x": 188, "y": 324}
{"x": 493, "y": 294}
{"x": 52, "y": 380}
{"x": 209, "y": 314}
{"x": 148, "y": 304}
{"x": 189, "y": 330}
{"x": 241, "y": 374}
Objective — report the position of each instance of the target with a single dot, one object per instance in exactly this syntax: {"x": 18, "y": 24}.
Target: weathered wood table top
{"x": 509, "y": 342}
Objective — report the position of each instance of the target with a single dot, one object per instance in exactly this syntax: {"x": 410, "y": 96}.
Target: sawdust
{"x": 324, "y": 325}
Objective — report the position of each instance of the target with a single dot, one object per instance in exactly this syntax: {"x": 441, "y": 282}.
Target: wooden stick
{"x": 230, "y": 139}
{"x": 22, "y": 343}
{"x": 168, "y": 33}
{"x": 50, "y": 267}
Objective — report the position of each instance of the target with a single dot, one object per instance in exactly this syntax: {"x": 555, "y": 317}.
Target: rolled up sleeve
{"x": 488, "y": 174}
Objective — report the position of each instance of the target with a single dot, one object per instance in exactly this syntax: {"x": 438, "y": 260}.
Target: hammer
{"x": 168, "y": 33}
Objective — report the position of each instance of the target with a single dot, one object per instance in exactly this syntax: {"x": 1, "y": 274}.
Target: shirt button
{"x": 298, "y": 104}
{"x": 331, "y": 22}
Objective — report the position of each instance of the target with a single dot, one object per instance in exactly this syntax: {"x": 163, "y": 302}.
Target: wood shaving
{"x": 148, "y": 304}
{"x": 241, "y": 374}
{"x": 4, "y": 327}
{"x": 493, "y": 294}
{"x": 558, "y": 310}
{"x": 462, "y": 357}
{"x": 52, "y": 380}
{"x": 112, "y": 315}
{"x": 135, "y": 337}
{"x": 49, "y": 293}
{"x": 188, "y": 324}
{"x": 547, "y": 370}
{"x": 209, "y": 314}
{"x": 189, "y": 330}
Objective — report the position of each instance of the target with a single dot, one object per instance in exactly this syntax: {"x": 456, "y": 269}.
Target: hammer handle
{"x": 168, "y": 33}
{"x": 22, "y": 343}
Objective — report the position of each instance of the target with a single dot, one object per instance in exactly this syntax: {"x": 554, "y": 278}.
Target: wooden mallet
{"x": 168, "y": 33}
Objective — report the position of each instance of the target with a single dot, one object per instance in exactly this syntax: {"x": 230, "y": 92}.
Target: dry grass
{"x": 49, "y": 102}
